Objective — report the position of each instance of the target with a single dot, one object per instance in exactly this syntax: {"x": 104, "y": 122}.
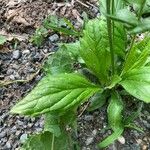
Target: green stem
{"x": 109, "y": 28}
{"x": 53, "y": 138}
{"x": 133, "y": 38}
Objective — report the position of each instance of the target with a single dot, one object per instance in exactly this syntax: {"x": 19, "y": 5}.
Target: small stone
{"x": 23, "y": 137}
{"x": 2, "y": 134}
{"x": 88, "y": 118}
{"x": 94, "y": 132}
{"x": 121, "y": 139}
{"x": 139, "y": 141}
{"x": 144, "y": 147}
{"x": 26, "y": 51}
{"x": 8, "y": 145}
{"x": 16, "y": 54}
{"x": 10, "y": 71}
{"x": 12, "y": 77}
{"x": 89, "y": 141}
{"x": 20, "y": 123}
{"x": 54, "y": 38}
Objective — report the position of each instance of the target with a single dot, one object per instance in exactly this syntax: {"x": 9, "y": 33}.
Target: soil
{"x": 21, "y": 60}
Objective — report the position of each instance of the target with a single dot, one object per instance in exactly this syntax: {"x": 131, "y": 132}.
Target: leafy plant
{"x": 110, "y": 62}
{"x": 2, "y": 39}
{"x": 61, "y": 25}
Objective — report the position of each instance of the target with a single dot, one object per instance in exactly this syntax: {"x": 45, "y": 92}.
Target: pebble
{"x": 89, "y": 141}
{"x": 88, "y": 118}
{"x": 26, "y": 51}
{"x": 23, "y": 137}
{"x": 8, "y": 145}
{"x": 121, "y": 139}
{"x": 54, "y": 38}
{"x": 2, "y": 134}
{"x": 16, "y": 54}
{"x": 12, "y": 77}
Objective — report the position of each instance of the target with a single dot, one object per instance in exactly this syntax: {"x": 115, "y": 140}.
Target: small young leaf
{"x": 114, "y": 111}
{"x": 2, "y": 39}
{"x": 97, "y": 101}
{"x": 51, "y": 124}
{"x": 56, "y": 93}
{"x": 137, "y": 83}
{"x": 115, "y": 119}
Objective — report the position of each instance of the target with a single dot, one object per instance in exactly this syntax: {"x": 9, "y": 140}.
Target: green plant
{"x": 61, "y": 25}
{"x": 2, "y": 39}
{"x": 110, "y": 65}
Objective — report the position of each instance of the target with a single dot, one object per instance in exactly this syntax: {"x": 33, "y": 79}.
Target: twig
{"x": 85, "y": 5}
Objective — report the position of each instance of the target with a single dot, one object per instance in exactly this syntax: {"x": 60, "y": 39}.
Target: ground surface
{"x": 20, "y": 60}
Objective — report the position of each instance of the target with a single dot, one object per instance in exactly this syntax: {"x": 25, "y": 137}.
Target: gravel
{"x": 21, "y": 64}
{"x": 16, "y": 54}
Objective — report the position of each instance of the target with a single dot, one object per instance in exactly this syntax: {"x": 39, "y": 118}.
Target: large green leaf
{"x": 138, "y": 55}
{"x": 46, "y": 141}
{"x": 56, "y": 93}
{"x": 94, "y": 48}
{"x": 137, "y": 83}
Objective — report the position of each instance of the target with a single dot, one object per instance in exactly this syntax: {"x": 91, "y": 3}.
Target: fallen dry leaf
{"x": 10, "y": 37}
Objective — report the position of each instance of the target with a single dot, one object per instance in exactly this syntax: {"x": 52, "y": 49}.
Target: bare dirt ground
{"x": 21, "y": 60}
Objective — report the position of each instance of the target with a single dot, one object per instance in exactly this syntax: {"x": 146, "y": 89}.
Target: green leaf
{"x": 51, "y": 124}
{"x": 94, "y": 48}
{"x": 137, "y": 83}
{"x": 119, "y": 39}
{"x": 110, "y": 139}
{"x": 60, "y": 25}
{"x": 2, "y": 39}
{"x": 97, "y": 101}
{"x": 115, "y": 119}
{"x": 118, "y": 4}
{"x": 46, "y": 141}
{"x": 138, "y": 55}
{"x": 39, "y": 36}
{"x": 56, "y": 93}
{"x": 141, "y": 27}
{"x": 114, "y": 111}
{"x": 125, "y": 16}
{"x": 115, "y": 80}
{"x": 60, "y": 62}
{"x": 72, "y": 49}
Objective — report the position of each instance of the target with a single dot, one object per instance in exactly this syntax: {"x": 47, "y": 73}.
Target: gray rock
{"x": 2, "y": 134}
{"x": 8, "y": 145}
{"x": 89, "y": 141}
{"x": 54, "y": 38}
{"x": 23, "y": 137}
{"x": 88, "y": 118}
{"x": 26, "y": 51}
{"x": 12, "y": 77}
{"x": 16, "y": 54}
{"x": 10, "y": 71}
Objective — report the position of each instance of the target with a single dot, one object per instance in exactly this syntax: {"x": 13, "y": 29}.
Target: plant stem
{"x": 139, "y": 17}
{"x": 109, "y": 28}
{"x": 53, "y": 138}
